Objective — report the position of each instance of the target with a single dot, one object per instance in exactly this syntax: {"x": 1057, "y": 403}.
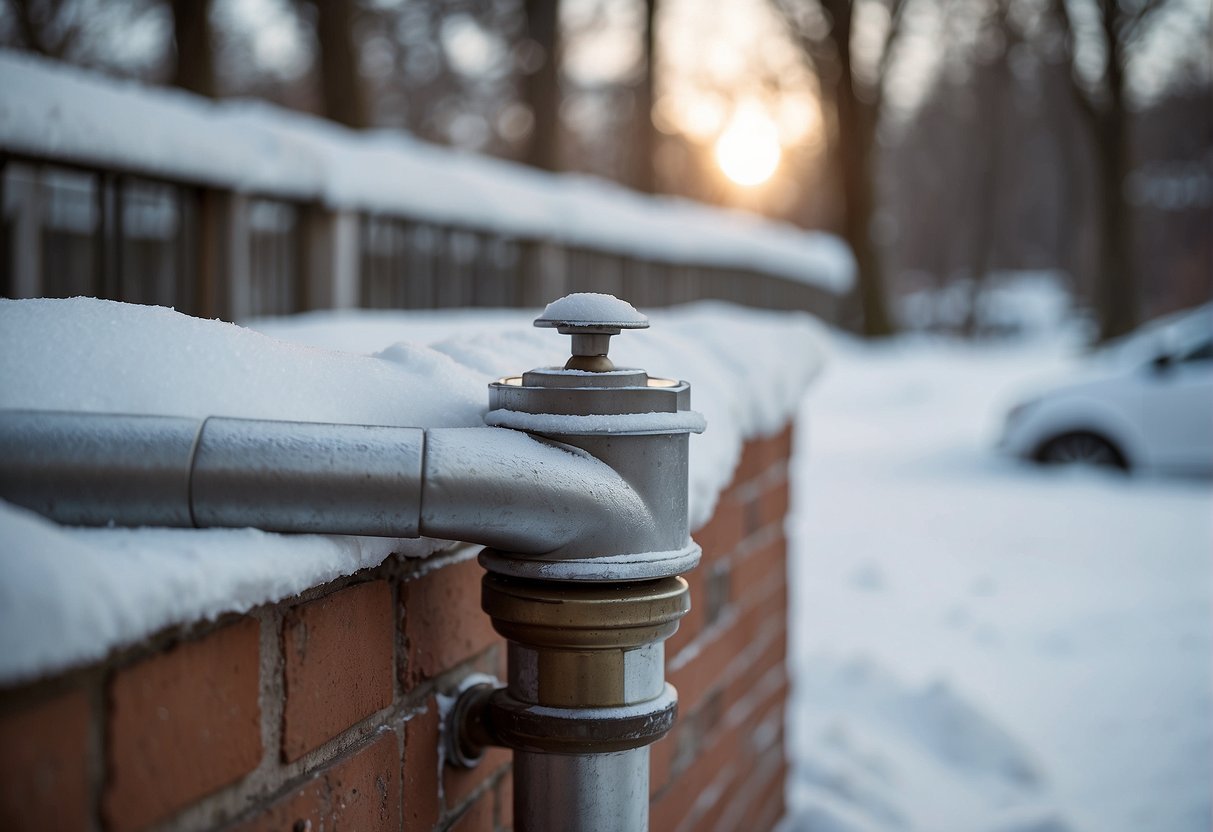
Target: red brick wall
{"x": 320, "y": 712}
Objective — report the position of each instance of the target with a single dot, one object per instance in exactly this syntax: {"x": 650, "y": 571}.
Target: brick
{"x": 720, "y": 536}
{"x": 443, "y": 622}
{"x": 422, "y": 804}
{"x": 719, "y": 588}
{"x": 769, "y": 809}
{"x": 477, "y": 818}
{"x": 505, "y": 801}
{"x": 182, "y": 724}
{"x": 687, "y": 800}
{"x": 661, "y": 758}
{"x": 754, "y": 458}
{"x": 361, "y": 791}
{"x": 774, "y": 503}
{"x": 768, "y": 557}
{"x": 460, "y": 783}
{"x": 44, "y": 779}
{"x": 784, "y": 442}
{"x": 749, "y": 799}
{"x": 339, "y": 657}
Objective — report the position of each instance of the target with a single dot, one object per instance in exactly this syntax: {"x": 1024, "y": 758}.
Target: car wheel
{"x": 1081, "y": 449}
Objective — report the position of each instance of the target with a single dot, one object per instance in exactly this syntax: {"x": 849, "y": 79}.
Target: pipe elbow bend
{"x": 509, "y": 491}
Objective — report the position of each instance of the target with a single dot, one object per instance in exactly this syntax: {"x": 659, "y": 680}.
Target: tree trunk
{"x": 1117, "y": 293}
{"x": 340, "y": 79}
{"x": 194, "y": 69}
{"x": 856, "y": 140}
{"x": 541, "y": 88}
{"x": 995, "y": 97}
{"x": 643, "y": 162}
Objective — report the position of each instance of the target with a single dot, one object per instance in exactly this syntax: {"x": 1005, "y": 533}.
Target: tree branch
{"x": 896, "y": 14}
{"x": 1086, "y": 104}
{"x": 1131, "y": 25}
{"x": 818, "y": 50}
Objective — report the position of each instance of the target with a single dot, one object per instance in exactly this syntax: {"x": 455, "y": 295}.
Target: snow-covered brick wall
{"x": 51, "y": 111}
{"x": 303, "y": 672}
{"x": 70, "y": 595}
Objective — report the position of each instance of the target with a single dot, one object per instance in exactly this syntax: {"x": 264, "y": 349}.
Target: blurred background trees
{"x": 951, "y": 143}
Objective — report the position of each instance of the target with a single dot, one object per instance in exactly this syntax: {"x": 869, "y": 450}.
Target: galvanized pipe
{"x": 585, "y": 517}
{"x": 581, "y": 792}
{"x": 491, "y": 486}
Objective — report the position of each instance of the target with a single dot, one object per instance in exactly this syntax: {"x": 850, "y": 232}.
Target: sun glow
{"x": 748, "y": 150}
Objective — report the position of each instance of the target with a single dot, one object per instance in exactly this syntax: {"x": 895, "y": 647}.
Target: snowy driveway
{"x": 979, "y": 646}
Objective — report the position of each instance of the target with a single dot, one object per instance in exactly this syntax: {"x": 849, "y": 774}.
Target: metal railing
{"x": 72, "y": 229}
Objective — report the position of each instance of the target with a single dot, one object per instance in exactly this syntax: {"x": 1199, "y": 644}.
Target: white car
{"x": 1145, "y": 403}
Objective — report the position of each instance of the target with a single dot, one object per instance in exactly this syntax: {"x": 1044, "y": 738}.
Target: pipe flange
{"x": 644, "y": 566}
{"x": 584, "y": 617}
{"x": 539, "y": 728}
{"x": 465, "y": 734}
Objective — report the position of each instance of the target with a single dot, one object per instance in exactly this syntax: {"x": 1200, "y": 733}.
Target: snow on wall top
{"x": 69, "y": 595}
{"x": 49, "y": 110}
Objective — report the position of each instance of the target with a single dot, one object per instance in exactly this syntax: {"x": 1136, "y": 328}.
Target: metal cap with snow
{"x": 635, "y": 423}
{"x": 585, "y": 625}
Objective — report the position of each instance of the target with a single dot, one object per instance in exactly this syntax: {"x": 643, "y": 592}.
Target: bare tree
{"x": 994, "y": 85}
{"x": 823, "y": 30}
{"x": 48, "y": 27}
{"x": 643, "y": 173}
{"x": 193, "y": 66}
{"x": 1103, "y": 105}
{"x": 541, "y": 83}
{"x": 342, "y": 93}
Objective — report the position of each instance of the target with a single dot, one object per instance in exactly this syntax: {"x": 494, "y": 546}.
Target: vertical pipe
{"x": 582, "y": 792}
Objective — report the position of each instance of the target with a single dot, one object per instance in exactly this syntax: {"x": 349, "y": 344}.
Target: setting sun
{"x": 748, "y": 150}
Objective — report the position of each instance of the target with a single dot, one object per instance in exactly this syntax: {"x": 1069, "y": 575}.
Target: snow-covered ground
{"x": 979, "y": 646}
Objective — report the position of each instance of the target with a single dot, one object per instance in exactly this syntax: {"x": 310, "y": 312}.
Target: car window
{"x": 1201, "y": 352}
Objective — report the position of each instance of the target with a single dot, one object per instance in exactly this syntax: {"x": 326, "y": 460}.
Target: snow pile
{"x": 979, "y": 646}
{"x": 53, "y": 111}
{"x": 69, "y": 595}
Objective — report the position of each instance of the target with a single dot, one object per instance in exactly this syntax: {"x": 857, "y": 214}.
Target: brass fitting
{"x": 586, "y": 667}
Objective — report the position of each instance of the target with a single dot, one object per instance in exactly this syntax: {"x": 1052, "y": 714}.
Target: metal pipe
{"x": 585, "y": 517}
{"x": 92, "y": 471}
{"x": 491, "y": 486}
{"x": 581, "y": 792}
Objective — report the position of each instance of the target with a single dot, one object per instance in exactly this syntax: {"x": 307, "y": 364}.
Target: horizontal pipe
{"x": 96, "y": 470}
{"x": 492, "y": 486}
{"x": 509, "y": 491}
{"x": 307, "y": 477}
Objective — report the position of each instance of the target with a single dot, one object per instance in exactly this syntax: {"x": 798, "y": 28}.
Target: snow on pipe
{"x": 491, "y": 486}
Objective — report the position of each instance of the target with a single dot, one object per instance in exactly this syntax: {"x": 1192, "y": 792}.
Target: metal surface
{"x": 93, "y": 470}
{"x": 478, "y": 485}
{"x": 585, "y": 616}
{"x": 592, "y": 335}
{"x": 305, "y": 477}
{"x": 581, "y": 793}
{"x": 525, "y": 726}
{"x": 587, "y": 528}
{"x": 507, "y": 490}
